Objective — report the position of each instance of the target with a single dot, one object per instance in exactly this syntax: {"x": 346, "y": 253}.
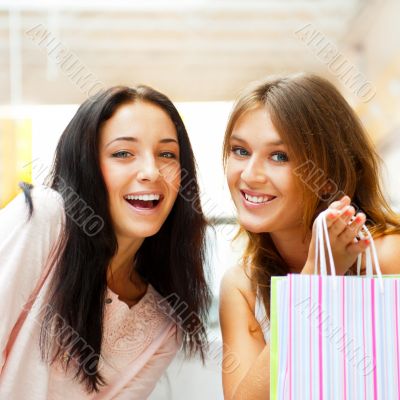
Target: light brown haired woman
{"x": 294, "y": 147}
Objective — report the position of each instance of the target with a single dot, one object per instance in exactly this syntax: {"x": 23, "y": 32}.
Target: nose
{"x": 254, "y": 172}
{"x": 148, "y": 170}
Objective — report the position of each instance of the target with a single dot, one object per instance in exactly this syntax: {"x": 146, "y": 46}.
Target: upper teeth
{"x": 144, "y": 197}
{"x": 257, "y": 199}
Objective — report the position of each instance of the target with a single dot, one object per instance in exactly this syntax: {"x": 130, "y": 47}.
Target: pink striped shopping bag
{"x": 335, "y": 337}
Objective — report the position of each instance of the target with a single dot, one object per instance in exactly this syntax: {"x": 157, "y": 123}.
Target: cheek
{"x": 285, "y": 181}
{"x": 232, "y": 171}
{"x": 230, "y": 180}
{"x": 291, "y": 188}
{"x": 110, "y": 175}
{"x": 173, "y": 179}
{"x": 105, "y": 171}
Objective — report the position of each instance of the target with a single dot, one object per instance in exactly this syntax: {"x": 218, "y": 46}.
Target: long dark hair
{"x": 172, "y": 260}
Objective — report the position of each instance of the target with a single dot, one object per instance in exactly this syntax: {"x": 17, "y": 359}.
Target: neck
{"x": 293, "y": 247}
{"x": 122, "y": 277}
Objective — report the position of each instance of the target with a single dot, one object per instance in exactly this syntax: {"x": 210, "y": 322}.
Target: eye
{"x": 168, "y": 154}
{"x": 239, "y": 151}
{"x": 280, "y": 157}
{"x": 122, "y": 154}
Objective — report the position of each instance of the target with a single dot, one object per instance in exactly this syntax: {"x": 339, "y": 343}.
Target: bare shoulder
{"x": 388, "y": 249}
{"x": 237, "y": 279}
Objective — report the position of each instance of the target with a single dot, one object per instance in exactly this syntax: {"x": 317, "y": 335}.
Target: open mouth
{"x": 144, "y": 202}
{"x": 264, "y": 199}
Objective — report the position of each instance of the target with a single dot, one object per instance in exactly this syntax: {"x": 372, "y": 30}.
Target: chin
{"x": 253, "y": 227}
{"x": 140, "y": 231}
{"x": 148, "y": 232}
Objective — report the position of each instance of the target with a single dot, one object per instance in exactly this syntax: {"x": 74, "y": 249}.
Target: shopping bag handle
{"x": 322, "y": 240}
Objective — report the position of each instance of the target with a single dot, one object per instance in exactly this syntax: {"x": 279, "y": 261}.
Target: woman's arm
{"x": 255, "y": 385}
{"x": 245, "y": 367}
{"x": 25, "y": 244}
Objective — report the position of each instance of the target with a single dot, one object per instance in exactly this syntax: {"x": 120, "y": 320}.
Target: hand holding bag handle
{"x": 322, "y": 240}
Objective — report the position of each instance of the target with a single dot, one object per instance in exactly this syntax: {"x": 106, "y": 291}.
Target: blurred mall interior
{"x": 54, "y": 54}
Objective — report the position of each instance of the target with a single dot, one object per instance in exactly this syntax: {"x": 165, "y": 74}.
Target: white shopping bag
{"x": 335, "y": 337}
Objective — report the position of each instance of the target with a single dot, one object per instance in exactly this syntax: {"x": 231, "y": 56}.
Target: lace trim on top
{"x": 129, "y": 331}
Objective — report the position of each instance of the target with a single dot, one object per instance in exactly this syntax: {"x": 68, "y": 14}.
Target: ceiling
{"x": 191, "y": 50}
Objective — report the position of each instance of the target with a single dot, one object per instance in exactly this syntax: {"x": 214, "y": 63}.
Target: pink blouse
{"x": 138, "y": 342}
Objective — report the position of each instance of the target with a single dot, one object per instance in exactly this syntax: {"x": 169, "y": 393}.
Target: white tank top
{"x": 261, "y": 316}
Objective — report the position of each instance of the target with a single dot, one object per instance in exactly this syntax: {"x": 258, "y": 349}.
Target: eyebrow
{"x": 273, "y": 143}
{"x": 135, "y": 140}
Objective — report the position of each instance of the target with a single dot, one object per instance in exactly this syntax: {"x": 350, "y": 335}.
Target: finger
{"x": 331, "y": 217}
{"x": 338, "y": 220}
{"x": 358, "y": 222}
{"x": 335, "y": 205}
{"x": 339, "y": 204}
{"x": 356, "y": 248}
{"x": 352, "y": 229}
{"x": 347, "y": 214}
{"x": 345, "y": 200}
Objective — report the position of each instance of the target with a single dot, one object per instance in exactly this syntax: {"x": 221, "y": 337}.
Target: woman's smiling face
{"x": 260, "y": 175}
{"x": 139, "y": 159}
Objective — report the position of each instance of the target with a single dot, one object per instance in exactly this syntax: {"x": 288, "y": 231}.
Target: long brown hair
{"x": 332, "y": 155}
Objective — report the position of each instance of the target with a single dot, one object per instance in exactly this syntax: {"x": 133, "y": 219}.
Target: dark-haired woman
{"x": 96, "y": 266}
